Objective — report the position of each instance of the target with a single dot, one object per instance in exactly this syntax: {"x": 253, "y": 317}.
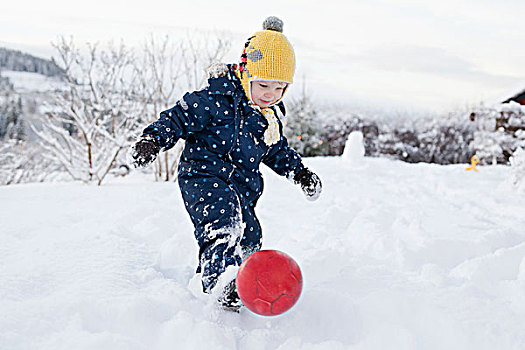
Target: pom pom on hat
{"x": 273, "y": 23}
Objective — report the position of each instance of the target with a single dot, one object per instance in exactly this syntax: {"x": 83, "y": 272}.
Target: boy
{"x": 230, "y": 127}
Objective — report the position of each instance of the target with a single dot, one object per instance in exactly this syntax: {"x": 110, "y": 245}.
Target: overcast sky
{"x": 414, "y": 54}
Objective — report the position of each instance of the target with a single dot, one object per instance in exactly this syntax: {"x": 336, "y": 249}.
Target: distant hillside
{"x": 23, "y": 62}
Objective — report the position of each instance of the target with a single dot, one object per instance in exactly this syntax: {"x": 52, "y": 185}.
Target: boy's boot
{"x": 229, "y": 300}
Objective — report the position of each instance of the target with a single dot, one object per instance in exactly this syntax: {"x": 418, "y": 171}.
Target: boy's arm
{"x": 189, "y": 115}
{"x": 285, "y": 161}
{"x": 186, "y": 117}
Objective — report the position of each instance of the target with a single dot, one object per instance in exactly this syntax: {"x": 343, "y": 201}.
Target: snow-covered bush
{"x": 341, "y": 125}
{"x": 167, "y": 69}
{"x": 22, "y": 161}
{"x": 112, "y": 94}
{"x": 499, "y": 131}
{"x": 316, "y": 129}
{"x": 441, "y": 141}
{"x": 90, "y": 125}
{"x": 490, "y": 132}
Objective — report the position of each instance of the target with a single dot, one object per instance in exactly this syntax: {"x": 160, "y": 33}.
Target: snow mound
{"x": 354, "y": 150}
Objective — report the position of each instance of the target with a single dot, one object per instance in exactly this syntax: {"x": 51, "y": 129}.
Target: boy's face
{"x": 266, "y": 93}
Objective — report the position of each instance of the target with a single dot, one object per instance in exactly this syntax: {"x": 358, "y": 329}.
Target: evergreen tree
{"x": 303, "y": 127}
{"x": 12, "y": 125}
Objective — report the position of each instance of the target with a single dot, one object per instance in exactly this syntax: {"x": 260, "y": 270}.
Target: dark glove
{"x": 310, "y": 183}
{"x": 144, "y": 151}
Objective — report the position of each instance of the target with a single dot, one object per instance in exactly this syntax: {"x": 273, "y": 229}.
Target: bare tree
{"x": 168, "y": 69}
{"x": 112, "y": 93}
{"x": 91, "y": 123}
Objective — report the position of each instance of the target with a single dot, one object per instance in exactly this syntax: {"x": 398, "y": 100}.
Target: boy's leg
{"x": 215, "y": 211}
{"x": 251, "y": 241}
{"x": 220, "y": 249}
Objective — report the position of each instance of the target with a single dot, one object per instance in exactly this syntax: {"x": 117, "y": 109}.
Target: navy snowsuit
{"x": 219, "y": 173}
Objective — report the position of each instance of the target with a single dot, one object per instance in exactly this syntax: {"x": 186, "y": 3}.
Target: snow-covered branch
{"x": 111, "y": 94}
{"x": 88, "y": 124}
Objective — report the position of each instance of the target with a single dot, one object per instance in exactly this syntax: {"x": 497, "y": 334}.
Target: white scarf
{"x": 271, "y": 135}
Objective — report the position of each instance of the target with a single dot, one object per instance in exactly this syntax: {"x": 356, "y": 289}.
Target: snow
{"x": 32, "y": 82}
{"x": 354, "y": 150}
{"x": 393, "y": 255}
{"x": 517, "y": 162}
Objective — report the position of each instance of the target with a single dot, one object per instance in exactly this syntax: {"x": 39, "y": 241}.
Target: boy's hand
{"x": 310, "y": 183}
{"x": 144, "y": 151}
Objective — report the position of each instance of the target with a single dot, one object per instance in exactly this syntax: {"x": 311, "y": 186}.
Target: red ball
{"x": 269, "y": 282}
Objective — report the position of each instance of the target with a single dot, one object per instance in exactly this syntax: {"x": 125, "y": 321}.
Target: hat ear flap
{"x": 244, "y": 57}
{"x": 281, "y": 107}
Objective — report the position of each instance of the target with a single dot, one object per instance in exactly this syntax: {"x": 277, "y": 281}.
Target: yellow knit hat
{"x": 267, "y": 55}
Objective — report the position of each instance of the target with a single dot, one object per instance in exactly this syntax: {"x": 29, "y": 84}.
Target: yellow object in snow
{"x": 473, "y": 162}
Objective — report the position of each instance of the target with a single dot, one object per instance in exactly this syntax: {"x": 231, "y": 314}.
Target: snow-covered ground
{"x": 32, "y": 82}
{"x": 394, "y": 256}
